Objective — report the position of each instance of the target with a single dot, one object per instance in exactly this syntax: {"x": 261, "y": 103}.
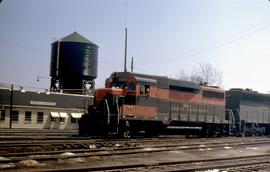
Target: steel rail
{"x": 140, "y": 140}
{"x": 170, "y": 163}
{"x": 55, "y": 155}
{"x": 183, "y": 147}
{"x": 108, "y": 143}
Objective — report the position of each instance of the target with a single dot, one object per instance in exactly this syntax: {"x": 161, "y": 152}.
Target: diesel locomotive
{"x": 135, "y": 104}
{"x": 251, "y": 111}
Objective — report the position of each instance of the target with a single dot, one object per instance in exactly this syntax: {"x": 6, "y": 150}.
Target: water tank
{"x": 74, "y": 61}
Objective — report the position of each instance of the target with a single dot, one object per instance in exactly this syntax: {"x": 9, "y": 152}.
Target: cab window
{"x": 120, "y": 84}
{"x": 145, "y": 89}
{"x": 132, "y": 86}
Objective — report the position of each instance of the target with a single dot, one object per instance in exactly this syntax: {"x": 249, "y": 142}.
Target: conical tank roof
{"x": 75, "y": 37}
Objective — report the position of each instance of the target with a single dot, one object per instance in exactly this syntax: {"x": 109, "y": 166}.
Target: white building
{"x": 40, "y": 109}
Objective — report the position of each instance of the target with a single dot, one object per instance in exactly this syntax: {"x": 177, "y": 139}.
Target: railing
{"x": 42, "y": 90}
{"x": 23, "y": 88}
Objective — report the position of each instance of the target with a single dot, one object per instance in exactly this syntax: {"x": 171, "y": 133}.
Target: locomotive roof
{"x": 247, "y": 91}
{"x": 186, "y": 84}
{"x": 210, "y": 88}
{"x": 249, "y": 95}
{"x": 161, "y": 81}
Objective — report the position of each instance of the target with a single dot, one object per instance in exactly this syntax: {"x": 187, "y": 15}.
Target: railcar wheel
{"x": 126, "y": 134}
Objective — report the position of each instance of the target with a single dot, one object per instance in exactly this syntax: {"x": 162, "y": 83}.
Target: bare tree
{"x": 182, "y": 75}
{"x": 204, "y": 74}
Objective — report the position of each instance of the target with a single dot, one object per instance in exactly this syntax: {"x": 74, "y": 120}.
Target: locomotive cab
{"x": 105, "y": 115}
{"x": 124, "y": 106}
{"x": 124, "y": 100}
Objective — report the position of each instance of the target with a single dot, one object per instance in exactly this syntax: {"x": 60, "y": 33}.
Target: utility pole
{"x": 132, "y": 64}
{"x": 125, "y": 62}
{"x": 11, "y": 107}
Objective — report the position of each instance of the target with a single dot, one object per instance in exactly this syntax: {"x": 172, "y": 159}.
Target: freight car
{"x": 134, "y": 104}
{"x": 251, "y": 111}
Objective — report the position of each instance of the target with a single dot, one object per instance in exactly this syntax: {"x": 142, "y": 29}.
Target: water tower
{"x": 74, "y": 62}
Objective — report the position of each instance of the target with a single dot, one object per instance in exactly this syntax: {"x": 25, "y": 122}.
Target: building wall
{"x": 35, "y": 102}
{"x": 48, "y": 121}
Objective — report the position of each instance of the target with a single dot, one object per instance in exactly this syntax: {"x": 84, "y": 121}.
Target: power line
{"x": 207, "y": 49}
{"x": 21, "y": 46}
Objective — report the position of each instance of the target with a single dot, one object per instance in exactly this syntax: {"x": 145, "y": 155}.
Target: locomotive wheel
{"x": 126, "y": 134}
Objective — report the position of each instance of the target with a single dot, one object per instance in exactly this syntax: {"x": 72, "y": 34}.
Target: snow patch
{"x": 214, "y": 170}
{"x": 252, "y": 148}
{"x": 148, "y": 149}
{"x": 8, "y": 165}
{"x": 175, "y": 152}
{"x": 77, "y": 160}
{"x": 67, "y": 154}
{"x": 117, "y": 145}
{"x": 3, "y": 158}
{"x": 92, "y": 146}
{"x": 227, "y": 147}
{"x": 28, "y": 163}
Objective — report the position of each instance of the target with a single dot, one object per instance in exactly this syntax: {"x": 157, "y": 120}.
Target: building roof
{"x": 42, "y": 99}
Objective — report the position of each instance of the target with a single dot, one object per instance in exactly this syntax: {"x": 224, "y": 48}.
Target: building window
{"x": 27, "y": 117}
{"x": 73, "y": 120}
{"x": 53, "y": 119}
{"x": 62, "y": 120}
{"x": 2, "y": 115}
{"x": 40, "y": 117}
{"x": 15, "y": 116}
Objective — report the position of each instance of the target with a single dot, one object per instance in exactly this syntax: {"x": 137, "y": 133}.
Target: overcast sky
{"x": 164, "y": 37}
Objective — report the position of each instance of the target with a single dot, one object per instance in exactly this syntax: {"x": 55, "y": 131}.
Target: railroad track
{"x": 49, "y": 145}
{"x": 230, "y": 163}
{"x": 15, "y": 158}
{"x": 69, "y": 140}
{"x": 82, "y": 143}
{"x": 130, "y": 150}
{"x": 21, "y": 133}
{"x": 150, "y": 148}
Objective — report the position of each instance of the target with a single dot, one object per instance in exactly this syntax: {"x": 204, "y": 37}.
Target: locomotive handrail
{"x": 238, "y": 111}
{"x": 118, "y": 113}
{"x": 108, "y": 109}
{"x": 231, "y": 117}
